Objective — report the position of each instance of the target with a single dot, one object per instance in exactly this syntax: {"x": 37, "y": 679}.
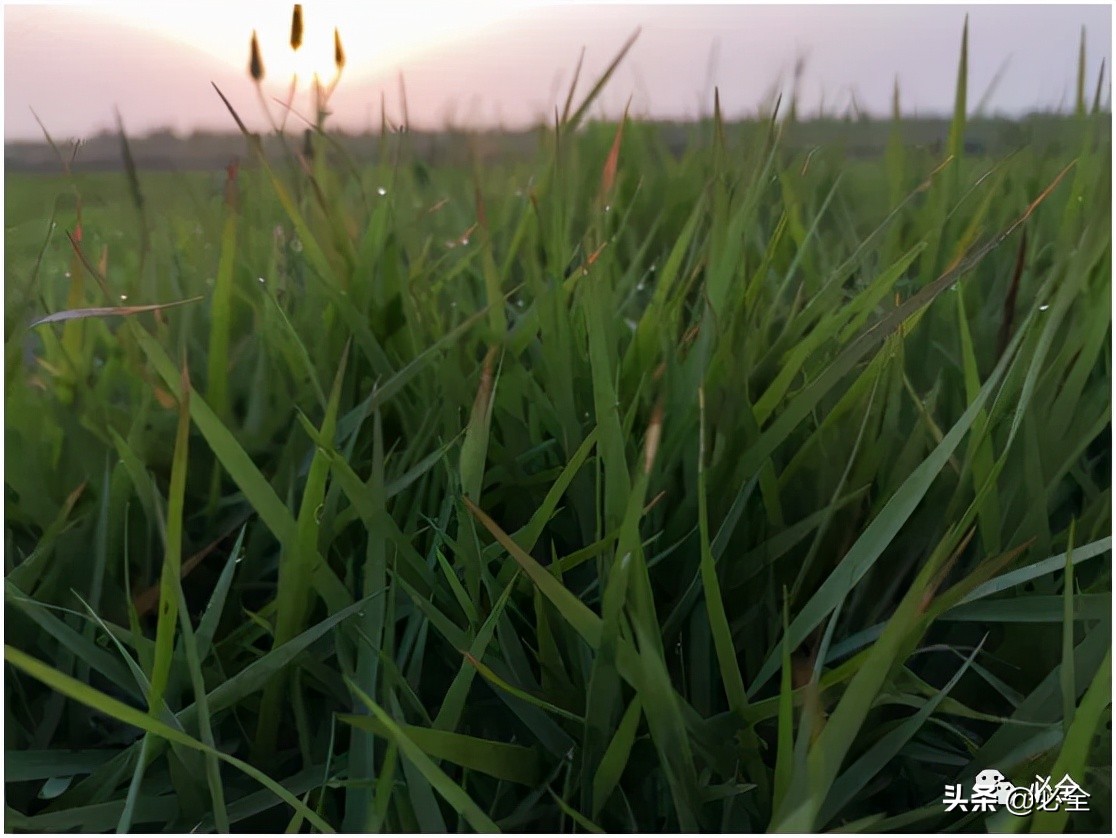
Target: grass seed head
{"x": 338, "y": 50}
{"x": 296, "y": 27}
{"x": 255, "y": 63}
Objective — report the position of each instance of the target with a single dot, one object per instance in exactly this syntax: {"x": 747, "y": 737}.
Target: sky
{"x": 508, "y": 63}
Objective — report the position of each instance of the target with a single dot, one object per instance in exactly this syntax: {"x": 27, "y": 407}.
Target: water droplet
{"x": 239, "y": 558}
{"x": 53, "y": 224}
{"x": 587, "y": 414}
{"x": 1044, "y": 307}
{"x": 381, "y": 191}
{"x": 450, "y": 245}
{"x": 123, "y": 297}
{"x": 453, "y": 304}
{"x": 67, "y": 274}
{"x": 260, "y": 280}
{"x": 653, "y": 268}
{"x": 641, "y": 285}
{"x": 464, "y": 240}
{"x": 296, "y": 245}
{"x": 519, "y": 303}
{"x": 608, "y": 208}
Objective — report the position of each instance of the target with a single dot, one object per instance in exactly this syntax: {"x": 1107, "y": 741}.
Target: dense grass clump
{"x": 748, "y": 489}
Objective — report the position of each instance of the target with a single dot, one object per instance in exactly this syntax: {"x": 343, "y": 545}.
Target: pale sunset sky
{"x": 508, "y": 62}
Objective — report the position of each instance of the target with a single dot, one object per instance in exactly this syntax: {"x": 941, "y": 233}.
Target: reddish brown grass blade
{"x": 608, "y": 174}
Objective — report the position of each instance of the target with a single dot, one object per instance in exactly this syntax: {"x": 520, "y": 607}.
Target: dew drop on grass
{"x": 641, "y": 285}
{"x": 67, "y": 274}
{"x": 261, "y": 280}
{"x": 519, "y": 303}
{"x": 123, "y": 298}
{"x": 296, "y": 245}
{"x": 381, "y": 191}
{"x": 1044, "y": 306}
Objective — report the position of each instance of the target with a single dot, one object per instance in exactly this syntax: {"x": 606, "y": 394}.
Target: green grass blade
{"x": 450, "y": 791}
{"x": 1074, "y": 755}
{"x": 616, "y": 756}
{"x": 86, "y": 695}
{"x": 513, "y": 763}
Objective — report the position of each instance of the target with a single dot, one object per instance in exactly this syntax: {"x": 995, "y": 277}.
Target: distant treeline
{"x": 165, "y": 150}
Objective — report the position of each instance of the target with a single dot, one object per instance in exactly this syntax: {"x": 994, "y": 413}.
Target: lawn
{"x": 745, "y": 489}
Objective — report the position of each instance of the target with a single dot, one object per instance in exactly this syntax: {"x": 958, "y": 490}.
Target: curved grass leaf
{"x": 96, "y": 700}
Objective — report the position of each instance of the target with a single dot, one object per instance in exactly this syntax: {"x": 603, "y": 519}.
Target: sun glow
{"x": 313, "y": 58}
{"x": 375, "y": 36}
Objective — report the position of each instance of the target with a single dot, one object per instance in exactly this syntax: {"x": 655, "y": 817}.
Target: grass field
{"x": 752, "y": 489}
